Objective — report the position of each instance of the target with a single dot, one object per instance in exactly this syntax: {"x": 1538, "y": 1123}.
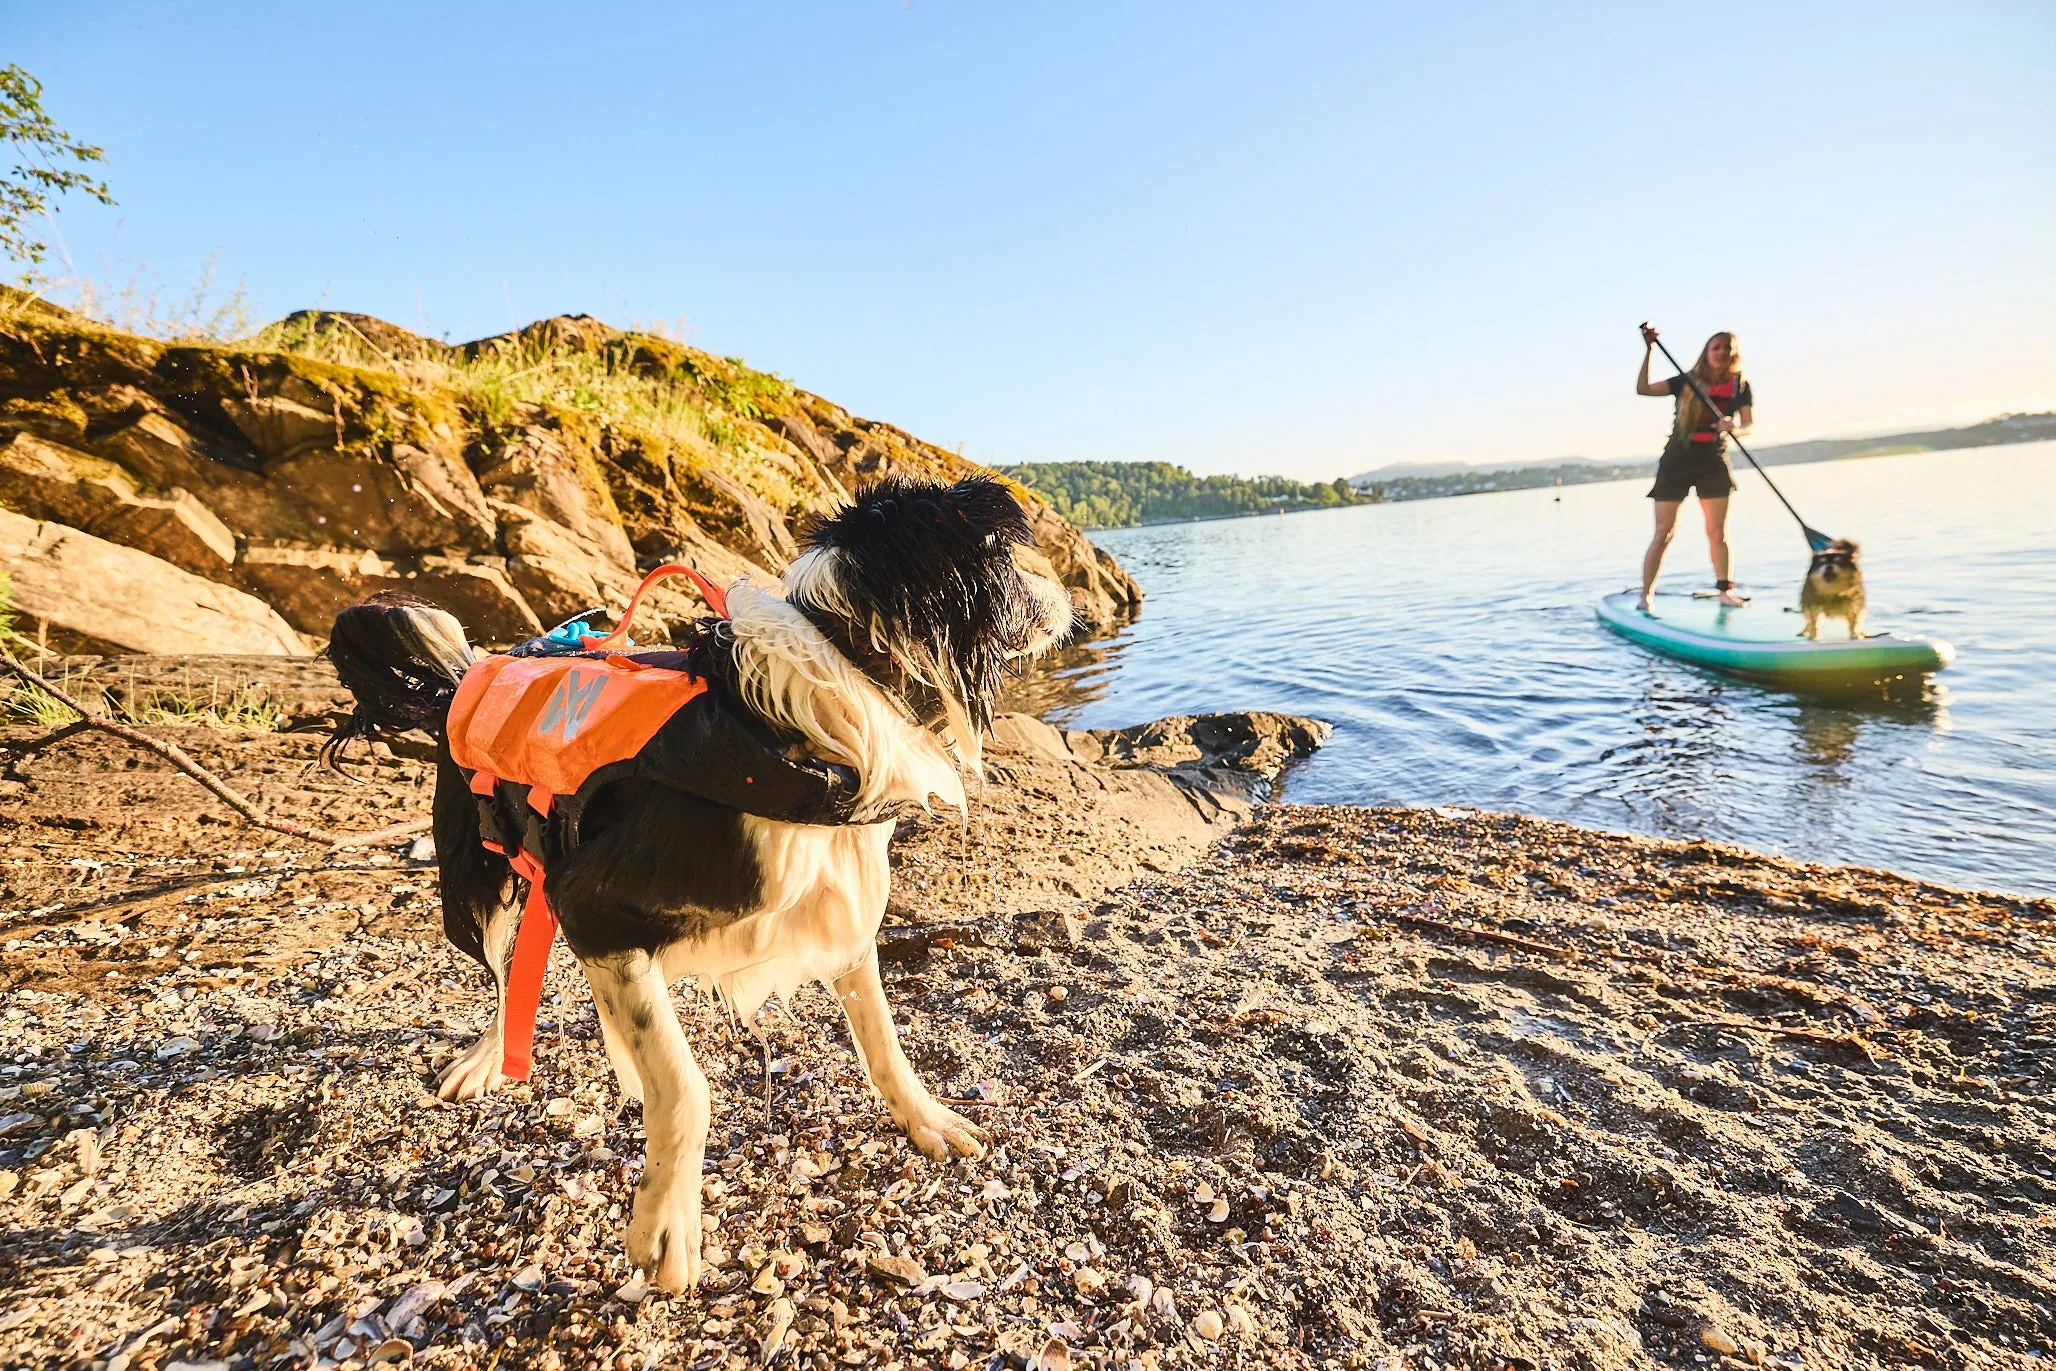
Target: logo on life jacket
{"x": 571, "y": 702}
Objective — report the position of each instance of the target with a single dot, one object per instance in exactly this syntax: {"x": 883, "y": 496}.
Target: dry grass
{"x": 200, "y": 703}
{"x": 143, "y": 304}
{"x": 644, "y": 384}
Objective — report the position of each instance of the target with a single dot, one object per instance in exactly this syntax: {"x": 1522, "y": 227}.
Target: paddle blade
{"x": 1817, "y": 540}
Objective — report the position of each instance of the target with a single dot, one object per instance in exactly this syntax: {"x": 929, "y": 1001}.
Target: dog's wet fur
{"x": 1833, "y": 589}
{"x": 882, "y": 649}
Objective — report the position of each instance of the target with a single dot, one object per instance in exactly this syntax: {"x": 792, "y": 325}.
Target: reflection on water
{"x": 1453, "y": 645}
{"x": 1065, "y": 681}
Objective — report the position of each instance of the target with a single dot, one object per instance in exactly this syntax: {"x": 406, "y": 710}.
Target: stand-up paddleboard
{"x": 1762, "y": 642}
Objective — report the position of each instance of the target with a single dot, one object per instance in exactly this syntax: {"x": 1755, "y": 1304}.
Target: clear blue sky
{"x": 1301, "y": 238}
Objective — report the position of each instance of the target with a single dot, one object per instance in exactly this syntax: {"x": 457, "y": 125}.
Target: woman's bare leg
{"x": 1652, "y": 560}
{"x": 1716, "y": 512}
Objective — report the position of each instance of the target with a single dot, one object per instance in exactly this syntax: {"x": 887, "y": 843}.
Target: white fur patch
{"x": 791, "y": 675}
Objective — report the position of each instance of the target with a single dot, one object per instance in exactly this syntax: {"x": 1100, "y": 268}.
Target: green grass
{"x": 644, "y": 386}
{"x": 639, "y": 386}
{"x": 212, "y": 703}
{"x": 21, "y": 703}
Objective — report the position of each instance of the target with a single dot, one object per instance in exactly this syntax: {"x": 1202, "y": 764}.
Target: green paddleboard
{"x": 1762, "y": 641}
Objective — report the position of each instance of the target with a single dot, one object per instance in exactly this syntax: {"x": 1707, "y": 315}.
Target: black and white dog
{"x": 883, "y": 653}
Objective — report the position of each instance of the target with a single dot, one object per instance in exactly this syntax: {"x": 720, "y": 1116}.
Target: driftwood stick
{"x": 1484, "y": 935}
{"x": 176, "y": 755}
{"x": 1778, "y": 1030}
{"x": 380, "y": 835}
{"x": 35, "y": 745}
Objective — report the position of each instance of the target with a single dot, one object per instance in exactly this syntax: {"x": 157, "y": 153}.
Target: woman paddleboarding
{"x": 1696, "y": 457}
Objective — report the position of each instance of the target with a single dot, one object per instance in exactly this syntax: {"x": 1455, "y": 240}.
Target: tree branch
{"x": 176, "y": 755}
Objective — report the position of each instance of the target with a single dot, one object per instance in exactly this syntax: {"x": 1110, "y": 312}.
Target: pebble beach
{"x": 1278, "y": 1086}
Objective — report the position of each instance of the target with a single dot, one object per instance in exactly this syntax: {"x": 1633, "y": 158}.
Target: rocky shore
{"x": 1267, "y": 1085}
{"x": 231, "y": 498}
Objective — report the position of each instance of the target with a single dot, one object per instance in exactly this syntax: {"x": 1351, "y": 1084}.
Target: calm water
{"x": 1452, "y": 644}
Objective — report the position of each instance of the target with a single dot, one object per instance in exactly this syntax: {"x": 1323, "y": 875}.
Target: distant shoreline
{"x": 2004, "y": 431}
{"x": 1405, "y": 489}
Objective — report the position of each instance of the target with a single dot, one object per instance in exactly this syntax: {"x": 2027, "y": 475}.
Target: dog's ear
{"x": 988, "y": 509}
{"x": 1851, "y": 548}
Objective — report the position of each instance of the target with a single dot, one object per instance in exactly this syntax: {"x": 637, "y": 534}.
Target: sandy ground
{"x": 1290, "y": 1086}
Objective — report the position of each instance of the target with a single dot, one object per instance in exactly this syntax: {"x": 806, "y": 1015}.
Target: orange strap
{"x": 716, "y": 598}
{"x": 525, "y": 976}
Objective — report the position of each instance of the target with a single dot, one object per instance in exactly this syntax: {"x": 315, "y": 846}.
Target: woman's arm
{"x": 1740, "y": 422}
{"x": 1642, "y": 384}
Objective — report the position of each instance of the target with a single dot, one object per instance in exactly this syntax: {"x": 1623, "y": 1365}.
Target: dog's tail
{"x": 401, "y": 657}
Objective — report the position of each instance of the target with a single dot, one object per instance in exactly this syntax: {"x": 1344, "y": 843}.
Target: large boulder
{"x": 1103, "y": 594}
{"x": 285, "y": 472}
{"x": 311, "y": 585}
{"x": 531, "y": 469}
{"x": 161, "y": 451}
{"x": 78, "y": 593}
{"x": 558, "y": 571}
{"x": 46, "y": 480}
{"x": 402, "y": 499}
{"x": 273, "y": 423}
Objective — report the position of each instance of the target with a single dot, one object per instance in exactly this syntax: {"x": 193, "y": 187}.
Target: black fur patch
{"x": 655, "y": 866}
{"x": 475, "y": 882}
{"x": 931, "y": 567}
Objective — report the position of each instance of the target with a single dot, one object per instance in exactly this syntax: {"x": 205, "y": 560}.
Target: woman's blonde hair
{"x": 1690, "y": 410}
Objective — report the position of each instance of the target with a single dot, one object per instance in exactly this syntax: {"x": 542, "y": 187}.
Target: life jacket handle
{"x": 716, "y": 598}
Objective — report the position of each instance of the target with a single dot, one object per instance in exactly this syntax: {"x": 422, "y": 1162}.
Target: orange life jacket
{"x": 548, "y": 723}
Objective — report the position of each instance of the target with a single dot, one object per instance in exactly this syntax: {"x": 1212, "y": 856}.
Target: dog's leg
{"x": 1812, "y": 629}
{"x": 664, "y": 1231}
{"x": 616, "y": 1042}
{"x": 934, "y": 1128}
{"x": 476, "y": 1069}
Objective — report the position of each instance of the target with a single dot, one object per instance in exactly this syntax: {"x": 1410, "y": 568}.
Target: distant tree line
{"x": 1120, "y": 494}
{"x": 1516, "y": 478}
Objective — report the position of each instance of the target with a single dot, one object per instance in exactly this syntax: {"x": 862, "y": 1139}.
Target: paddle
{"x": 1815, "y": 539}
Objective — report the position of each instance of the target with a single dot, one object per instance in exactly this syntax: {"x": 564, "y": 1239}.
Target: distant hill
{"x": 1122, "y": 494}
{"x": 1398, "y": 471}
{"x": 2007, "y": 428}
{"x": 1472, "y": 481}
{"x": 1432, "y": 480}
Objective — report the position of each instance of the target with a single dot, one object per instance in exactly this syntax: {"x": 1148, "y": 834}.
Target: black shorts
{"x": 1687, "y": 465}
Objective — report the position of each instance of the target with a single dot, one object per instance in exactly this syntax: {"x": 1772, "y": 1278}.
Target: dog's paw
{"x": 938, "y": 1130}
{"x": 475, "y": 1071}
{"x": 664, "y": 1235}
